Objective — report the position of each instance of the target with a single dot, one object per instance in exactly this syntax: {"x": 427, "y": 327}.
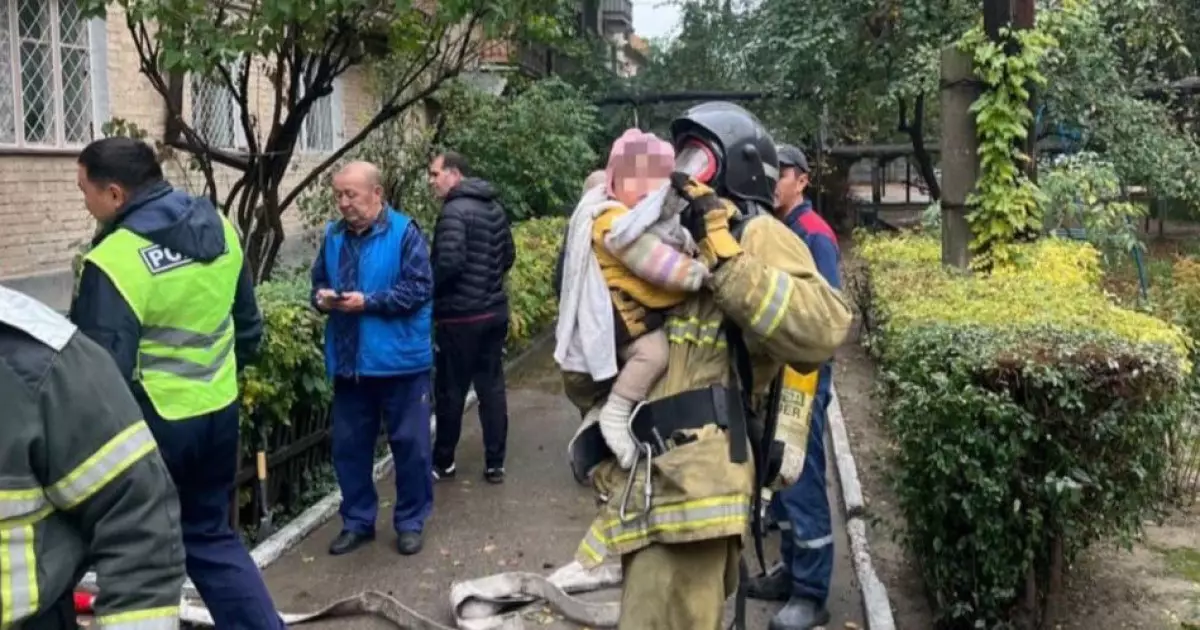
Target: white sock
{"x": 614, "y": 426}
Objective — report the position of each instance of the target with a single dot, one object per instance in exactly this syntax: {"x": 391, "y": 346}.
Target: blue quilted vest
{"x": 387, "y": 345}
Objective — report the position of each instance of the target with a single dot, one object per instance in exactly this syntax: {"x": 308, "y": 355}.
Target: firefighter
{"x": 81, "y": 483}
{"x": 679, "y": 532}
{"x": 166, "y": 291}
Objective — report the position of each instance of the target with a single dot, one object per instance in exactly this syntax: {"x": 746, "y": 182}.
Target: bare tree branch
{"x": 392, "y": 105}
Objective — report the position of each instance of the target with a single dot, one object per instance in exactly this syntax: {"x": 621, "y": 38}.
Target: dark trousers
{"x": 802, "y": 509}
{"x": 471, "y": 353}
{"x": 58, "y": 616}
{"x": 202, "y": 456}
{"x": 360, "y": 405}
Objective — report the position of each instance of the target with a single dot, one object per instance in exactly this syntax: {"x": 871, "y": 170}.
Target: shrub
{"x": 289, "y": 373}
{"x": 1030, "y": 413}
{"x": 531, "y": 297}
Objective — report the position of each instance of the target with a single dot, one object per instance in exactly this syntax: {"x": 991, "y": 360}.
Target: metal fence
{"x": 297, "y": 456}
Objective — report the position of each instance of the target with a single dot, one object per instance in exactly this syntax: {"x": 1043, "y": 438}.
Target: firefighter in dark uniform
{"x": 82, "y": 483}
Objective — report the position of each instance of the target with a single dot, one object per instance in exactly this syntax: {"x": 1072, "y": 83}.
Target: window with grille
{"x": 216, "y": 113}
{"x": 53, "y": 75}
{"x": 323, "y": 126}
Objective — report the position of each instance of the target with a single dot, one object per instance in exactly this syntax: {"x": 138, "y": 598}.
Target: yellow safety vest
{"x": 186, "y": 359}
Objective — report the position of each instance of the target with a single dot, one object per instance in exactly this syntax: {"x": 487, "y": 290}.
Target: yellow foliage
{"x": 1053, "y": 282}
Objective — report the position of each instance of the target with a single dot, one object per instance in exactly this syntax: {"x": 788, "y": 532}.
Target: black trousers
{"x": 471, "y": 353}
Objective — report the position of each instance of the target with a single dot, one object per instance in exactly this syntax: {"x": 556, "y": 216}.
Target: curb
{"x": 876, "y": 606}
{"x": 296, "y": 530}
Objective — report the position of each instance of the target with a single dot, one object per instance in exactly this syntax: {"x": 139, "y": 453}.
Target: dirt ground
{"x": 1156, "y": 586}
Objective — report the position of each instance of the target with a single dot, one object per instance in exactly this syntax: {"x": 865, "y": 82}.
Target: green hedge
{"x": 289, "y": 375}
{"x": 1030, "y": 415}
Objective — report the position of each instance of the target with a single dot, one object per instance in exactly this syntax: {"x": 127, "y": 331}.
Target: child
{"x": 646, "y": 272}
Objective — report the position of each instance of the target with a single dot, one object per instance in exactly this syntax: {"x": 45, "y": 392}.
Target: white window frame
{"x": 97, "y": 35}
{"x": 239, "y": 131}
{"x": 336, "y": 114}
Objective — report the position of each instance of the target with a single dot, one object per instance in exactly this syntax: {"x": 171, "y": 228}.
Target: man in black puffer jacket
{"x": 472, "y": 252}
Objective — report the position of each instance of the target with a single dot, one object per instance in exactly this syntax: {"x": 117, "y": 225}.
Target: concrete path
{"x": 533, "y": 523}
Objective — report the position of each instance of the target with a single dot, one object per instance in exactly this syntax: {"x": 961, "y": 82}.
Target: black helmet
{"x": 747, "y": 166}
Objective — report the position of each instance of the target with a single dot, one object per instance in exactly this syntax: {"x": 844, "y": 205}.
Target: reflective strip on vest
{"x": 165, "y": 618}
{"x": 18, "y": 573}
{"x": 186, "y": 359}
{"x": 691, "y": 330}
{"x": 115, "y": 457}
{"x": 167, "y": 338}
{"x": 679, "y": 518}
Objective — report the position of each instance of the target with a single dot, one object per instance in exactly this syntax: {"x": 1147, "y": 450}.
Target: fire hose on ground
{"x": 504, "y": 601}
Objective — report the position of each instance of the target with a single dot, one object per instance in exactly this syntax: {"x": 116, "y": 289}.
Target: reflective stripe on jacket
{"x": 186, "y": 360}
{"x": 788, "y": 315}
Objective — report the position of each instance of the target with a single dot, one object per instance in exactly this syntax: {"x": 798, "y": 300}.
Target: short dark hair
{"x": 456, "y": 161}
{"x": 126, "y": 162}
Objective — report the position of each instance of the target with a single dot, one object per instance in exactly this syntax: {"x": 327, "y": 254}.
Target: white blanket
{"x": 585, "y": 336}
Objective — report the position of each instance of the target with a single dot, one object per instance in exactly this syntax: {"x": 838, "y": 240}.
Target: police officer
{"x": 802, "y": 509}
{"x": 680, "y": 535}
{"x": 83, "y": 484}
{"x": 164, "y": 289}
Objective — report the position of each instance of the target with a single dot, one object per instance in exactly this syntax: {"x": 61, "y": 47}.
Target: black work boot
{"x": 409, "y": 543}
{"x": 800, "y": 614}
{"x": 775, "y": 586}
{"x": 349, "y": 541}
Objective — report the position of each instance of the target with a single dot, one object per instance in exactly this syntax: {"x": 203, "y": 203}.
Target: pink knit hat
{"x": 639, "y": 154}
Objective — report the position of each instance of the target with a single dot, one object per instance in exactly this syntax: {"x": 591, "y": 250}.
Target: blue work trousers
{"x": 202, "y": 455}
{"x": 403, "y": 404}
{"x": 802, "y": 509}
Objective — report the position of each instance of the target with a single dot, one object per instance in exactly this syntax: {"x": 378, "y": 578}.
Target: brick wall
{"x": 41, "y": 210}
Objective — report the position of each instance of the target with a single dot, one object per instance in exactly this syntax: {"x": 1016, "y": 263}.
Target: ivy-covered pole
{"x": 1025, "y": 18}
{"x": 960, "y": 154}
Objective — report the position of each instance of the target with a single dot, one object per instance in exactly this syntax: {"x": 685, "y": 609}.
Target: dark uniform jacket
{"x": 82, "y": 484}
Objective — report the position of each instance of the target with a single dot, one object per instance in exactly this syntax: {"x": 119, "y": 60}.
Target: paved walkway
{"x": 533, "y": 523}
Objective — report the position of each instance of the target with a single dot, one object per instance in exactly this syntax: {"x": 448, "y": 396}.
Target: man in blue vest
{"x": 802, "y": 509}
{"x": 372, "y": 275}
{"x": 165, "y": 290}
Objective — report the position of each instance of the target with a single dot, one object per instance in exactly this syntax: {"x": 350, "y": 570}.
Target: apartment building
{"x": 61, "y": 79}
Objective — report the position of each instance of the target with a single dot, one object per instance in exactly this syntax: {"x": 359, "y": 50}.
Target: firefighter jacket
{"x": 789, "y": 315}
{"x": 81, "y": 482}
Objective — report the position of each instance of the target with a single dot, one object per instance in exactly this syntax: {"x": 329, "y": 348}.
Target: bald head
{"x": 358, "y": 190}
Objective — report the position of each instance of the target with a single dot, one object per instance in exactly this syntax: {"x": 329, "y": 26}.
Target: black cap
{"x": 789, "y": 155}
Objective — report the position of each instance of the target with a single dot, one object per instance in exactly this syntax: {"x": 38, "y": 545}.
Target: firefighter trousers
{"x": 681, "y": 586}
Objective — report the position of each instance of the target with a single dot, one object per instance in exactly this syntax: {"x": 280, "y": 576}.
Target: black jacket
{"x": 472, "y": 252}
{"x": 187, "y": 225}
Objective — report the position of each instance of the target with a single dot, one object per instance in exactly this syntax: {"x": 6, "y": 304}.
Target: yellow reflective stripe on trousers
{"x": 122, "y": 451}
{"x": 692, "y": 330}
{"x": 164, "y": 618}
{"x": 677, "y": 518}
{"x": 15, "y": 503}
{"x": 773, "y": 306}
{"x": 18, "y": 574}
{"x": 181, "y": 338}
